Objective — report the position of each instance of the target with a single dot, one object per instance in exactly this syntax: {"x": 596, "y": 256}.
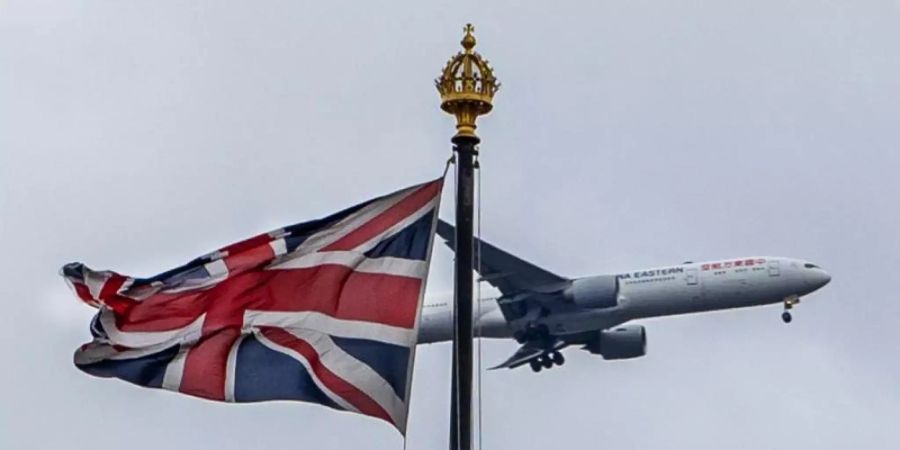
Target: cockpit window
{"x": 810, "y": 266}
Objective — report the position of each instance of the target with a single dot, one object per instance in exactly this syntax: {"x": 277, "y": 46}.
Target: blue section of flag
{"x": 389, "y": 361}
{"x": 264, "y": 374}
{"x": 145, "y": 371}
{"x": 190, "y": 273}
{"x": 97, "y": 330}
{"x": 410, "y": 243}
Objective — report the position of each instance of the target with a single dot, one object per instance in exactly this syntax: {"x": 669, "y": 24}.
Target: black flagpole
{"x": 467, "y": 86}
{"x": 461, "y": 380}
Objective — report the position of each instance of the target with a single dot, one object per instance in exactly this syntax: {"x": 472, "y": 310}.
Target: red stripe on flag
{"x": 388, "y": 218}
{"x": 163, "y": 312}
{"x": 255, "y": 241}
{"x": 111, "y": 286}
{"x": 84, "y": 293}
{"x": 334, "y": 290}
{"x": 340, "y": 292}
{"x": 109, "y": 294}
{"x": 206, "y": 364}
{"x": 347, "y": 391}
{"x": 249, "y": 257}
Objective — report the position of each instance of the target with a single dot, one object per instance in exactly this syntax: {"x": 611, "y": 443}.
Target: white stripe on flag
{"x": 353, "y": 329}
{"x": 98, "y": 351}
{"x": 279, "y": 247}
{"x": 356, "y": 261}
{"x": 175, "y": 370}
{"x": 95, "y": 281}
{"x": 136, "y": 339}
{"x": 230, "y": 367}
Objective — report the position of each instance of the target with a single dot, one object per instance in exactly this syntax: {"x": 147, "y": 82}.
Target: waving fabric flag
{"x": 323, "y": 311}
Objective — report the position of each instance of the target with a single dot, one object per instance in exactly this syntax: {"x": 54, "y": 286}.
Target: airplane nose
{"x": 817, "y": 278}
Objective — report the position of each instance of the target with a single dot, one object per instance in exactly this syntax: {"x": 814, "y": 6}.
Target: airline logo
{"x": 731, "y": 264}
{"x": 652, "y": 273}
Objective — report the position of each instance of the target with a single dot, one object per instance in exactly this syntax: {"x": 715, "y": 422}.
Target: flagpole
{"x": 464, "y": 146}
{"x": 467, "y": 86}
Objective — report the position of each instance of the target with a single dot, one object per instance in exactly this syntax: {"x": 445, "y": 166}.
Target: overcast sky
{"x": 137, "y": 135}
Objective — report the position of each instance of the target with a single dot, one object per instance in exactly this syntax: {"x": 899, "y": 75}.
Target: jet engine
{"x": 619, "y": 343}
{"x": 594, "y": 292}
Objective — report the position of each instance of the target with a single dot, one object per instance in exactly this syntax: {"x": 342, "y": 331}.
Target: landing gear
{"x": 789, "y": 303}
{"x": 532, "y": 332}
{"x": 557, "y": 358}
{"x": 547, "y": 361}
{"x": 537, "y": 335}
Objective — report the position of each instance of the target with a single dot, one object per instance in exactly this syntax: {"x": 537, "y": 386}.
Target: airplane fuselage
{"x": 679, "y": 289}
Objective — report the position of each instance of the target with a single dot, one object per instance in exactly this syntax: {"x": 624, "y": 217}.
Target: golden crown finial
{"x": 467, "y": 86}
{"x": 468, "y": 41}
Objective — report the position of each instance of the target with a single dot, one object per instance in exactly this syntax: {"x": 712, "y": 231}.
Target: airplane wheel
{"x": 786, "y": 317}
{"x": 546, "y": 361}
{"x": 535, "y": 365}
{"x": 557, "y": 358}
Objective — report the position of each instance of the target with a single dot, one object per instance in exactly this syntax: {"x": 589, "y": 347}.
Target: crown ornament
{"x": 467, "y": 86}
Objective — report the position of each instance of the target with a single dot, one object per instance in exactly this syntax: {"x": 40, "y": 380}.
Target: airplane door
{"x": 693, "y": 294}
{"x": 774, "y": 270}
{"x": 692, "y": 278}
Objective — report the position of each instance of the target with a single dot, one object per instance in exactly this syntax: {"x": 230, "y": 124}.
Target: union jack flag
{"x": 323, "y": 311}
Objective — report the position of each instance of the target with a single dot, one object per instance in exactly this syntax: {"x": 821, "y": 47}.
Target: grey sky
{"x": 137, "y": 135}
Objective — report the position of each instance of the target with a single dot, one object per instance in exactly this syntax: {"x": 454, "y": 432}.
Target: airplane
{"x": 546, "y": 312}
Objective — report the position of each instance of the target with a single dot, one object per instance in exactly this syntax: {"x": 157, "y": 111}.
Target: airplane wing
{"x": 529, "y": 351}
{"x": 504, "y": 271}
{"x": 529, "y": 292}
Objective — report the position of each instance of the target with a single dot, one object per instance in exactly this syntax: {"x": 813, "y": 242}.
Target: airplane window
{"x": 810, "y": 266}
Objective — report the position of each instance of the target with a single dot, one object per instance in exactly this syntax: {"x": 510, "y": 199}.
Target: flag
{"x": 323, "y": 311}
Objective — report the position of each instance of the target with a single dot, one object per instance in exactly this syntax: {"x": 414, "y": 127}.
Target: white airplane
{"x": 546, "y": 312}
